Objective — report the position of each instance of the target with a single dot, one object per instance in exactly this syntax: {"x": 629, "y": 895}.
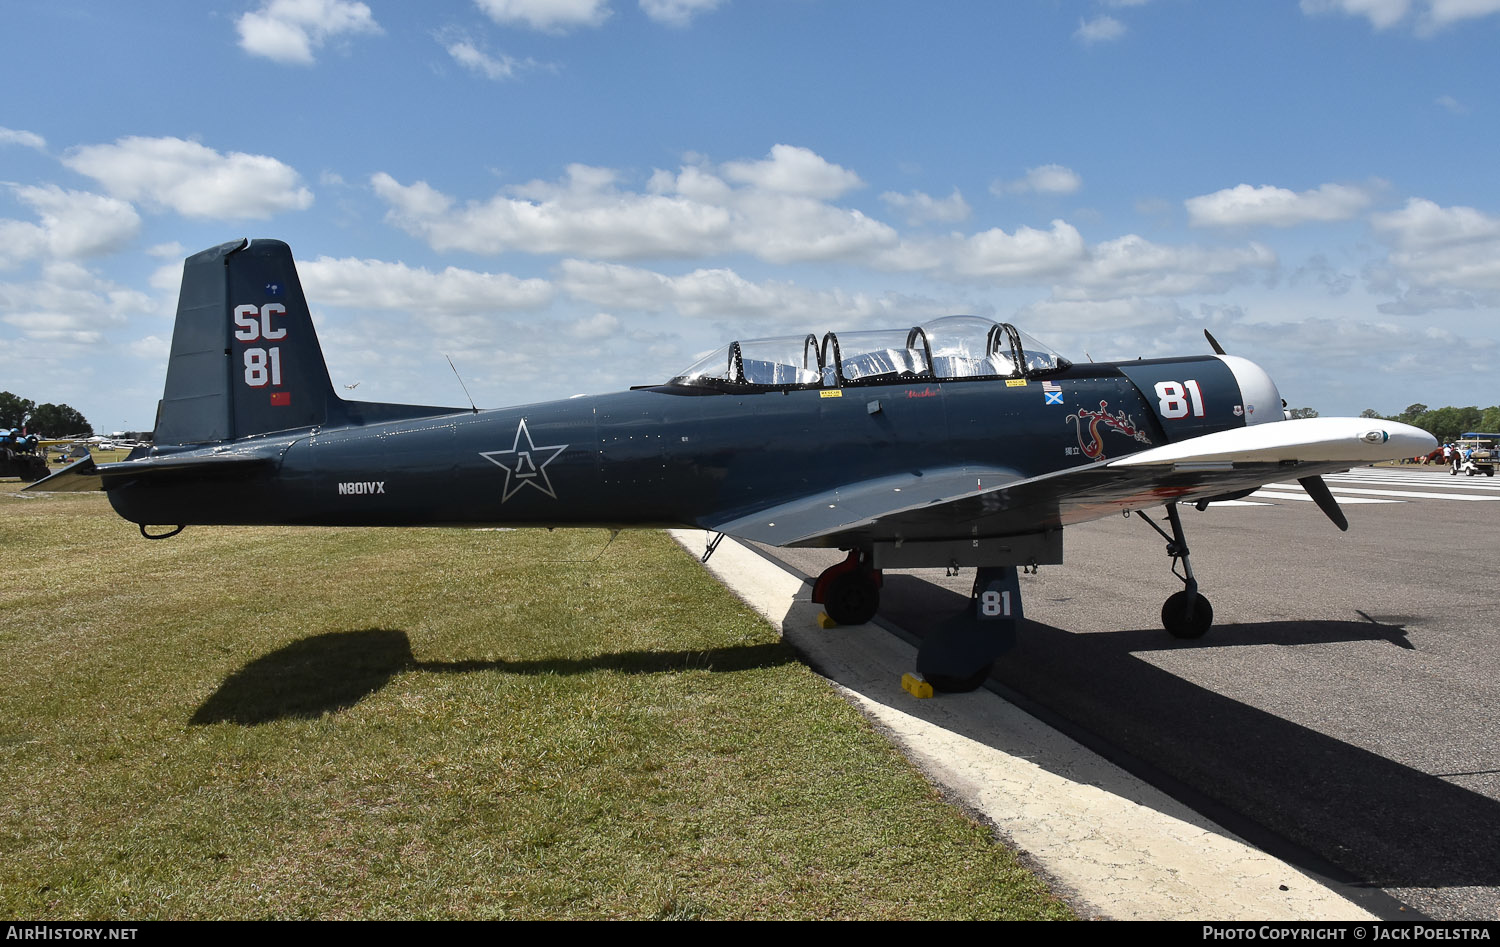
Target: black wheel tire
{"x": 958, "y": 685}
{"x": 1180, "y": 622}
{"x": 851, "y": 598}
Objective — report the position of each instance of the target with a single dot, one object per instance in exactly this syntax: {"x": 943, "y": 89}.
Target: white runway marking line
{"x": 1445, "y": 483}
{"x": 1414, "y": 494}
{"x": 1454, "y": 486}
{"x": 1267, "y": 495}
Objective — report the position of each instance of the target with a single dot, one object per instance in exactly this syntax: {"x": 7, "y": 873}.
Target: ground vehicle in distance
{"x": 19, "y": 456}
{"x": 1479, "y": 453}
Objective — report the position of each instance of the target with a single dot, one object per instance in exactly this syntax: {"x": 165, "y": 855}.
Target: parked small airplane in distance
{"x": 955, "y": 443}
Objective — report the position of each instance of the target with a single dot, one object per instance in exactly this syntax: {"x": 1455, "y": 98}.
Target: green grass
{"x": 295, "y": 723}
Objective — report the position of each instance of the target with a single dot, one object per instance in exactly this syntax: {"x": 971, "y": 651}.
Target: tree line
{"x": 50, "y": 420}
{"x": 1446, "y": 424}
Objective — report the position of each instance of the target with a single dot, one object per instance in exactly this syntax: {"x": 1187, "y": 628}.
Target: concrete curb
{"x": 1113, "y": 846}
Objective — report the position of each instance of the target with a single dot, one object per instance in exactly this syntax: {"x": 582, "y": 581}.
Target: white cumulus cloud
{"x": 578, "y": 215}
{"x": 377, "y": 284}
{"x": 677, "y": 12}
{"x": 601, "y": 325}
{"x": 1100, "y": 29}
{"x": 1425, "y": 225}
{"x": 11, "y": 136}
{"x": 1134, "y": 266}
{"x": 290, "y": 31}
{"x": 72, "y": 224}
{"x": 1044, "y": 179}
{"x": 192, "y": 179}
{"x": 921, "y": 208}
{"x": 1380, "y": 13}
{"x": 1113, "y": 315}
{"x": 69, "y": 304}
{"x": 1244, "y": 205}
{"x": 481, "y": 63}
{"x": 1441, "y": 257}
{"x": 1025, "y": 255}
{"x": 1426, "y": 16}
{"x": 792, "y": 170}
{"x": 777, "y": 212}
{"x": 719, "y": 293}
{"x": 548, "y": 16}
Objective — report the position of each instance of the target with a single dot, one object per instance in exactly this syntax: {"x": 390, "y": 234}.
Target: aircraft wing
{"x": 960, "y": 503}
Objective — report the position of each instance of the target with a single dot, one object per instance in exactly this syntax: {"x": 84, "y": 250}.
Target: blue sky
{"x": 575, "y": 196}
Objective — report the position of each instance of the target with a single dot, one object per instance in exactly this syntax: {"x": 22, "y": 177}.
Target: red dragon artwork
{"x": 1093, "y": 448}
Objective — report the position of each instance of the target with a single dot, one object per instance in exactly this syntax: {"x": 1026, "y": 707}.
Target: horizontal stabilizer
{"x": 87, "y": 475}
{"x": 78, "y": 477}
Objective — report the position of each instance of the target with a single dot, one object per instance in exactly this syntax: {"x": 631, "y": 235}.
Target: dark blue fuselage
{"x": 680, "y": 456}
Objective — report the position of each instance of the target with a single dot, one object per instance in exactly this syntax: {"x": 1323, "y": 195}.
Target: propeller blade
{"x": 1322, "y": 496}
{"x": 1218, "y": 349}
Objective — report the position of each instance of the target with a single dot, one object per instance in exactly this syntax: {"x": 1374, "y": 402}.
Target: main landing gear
{"x": 850, "y": 591}
{"x": 956, "y": 655}
{"x": 1185, "y": 614}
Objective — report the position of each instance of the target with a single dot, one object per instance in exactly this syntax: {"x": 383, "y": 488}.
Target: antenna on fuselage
{"x": 462, "y": 385}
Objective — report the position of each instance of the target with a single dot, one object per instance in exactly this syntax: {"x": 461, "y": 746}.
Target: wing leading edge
{"x": 979, "y": 503}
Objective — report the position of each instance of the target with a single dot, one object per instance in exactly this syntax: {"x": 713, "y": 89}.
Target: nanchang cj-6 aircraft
{"x": 960, "y": 442}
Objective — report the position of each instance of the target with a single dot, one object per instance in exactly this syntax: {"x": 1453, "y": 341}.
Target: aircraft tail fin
{"x": 245, "y": 356}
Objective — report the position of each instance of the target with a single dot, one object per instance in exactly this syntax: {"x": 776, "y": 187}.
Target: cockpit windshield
{"x": 950, "y": 348}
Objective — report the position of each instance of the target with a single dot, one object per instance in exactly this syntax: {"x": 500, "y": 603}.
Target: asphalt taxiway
{"x": 1341, "y": 714}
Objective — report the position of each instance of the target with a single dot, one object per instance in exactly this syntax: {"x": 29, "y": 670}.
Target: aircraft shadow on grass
{"x": 1387, "y": 824}
{"x": 330, "y": 672}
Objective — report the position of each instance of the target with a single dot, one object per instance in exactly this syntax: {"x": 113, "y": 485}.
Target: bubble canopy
{"x": 946, "y": 349}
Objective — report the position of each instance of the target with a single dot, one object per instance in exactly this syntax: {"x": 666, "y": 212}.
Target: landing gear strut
{"x": 1185, "y": 614}
{"x": 957, "y": 655}
{"x": 850, "y": 591}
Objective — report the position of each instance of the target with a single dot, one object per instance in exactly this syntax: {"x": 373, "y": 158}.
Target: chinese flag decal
{"x": 281, "y": 398}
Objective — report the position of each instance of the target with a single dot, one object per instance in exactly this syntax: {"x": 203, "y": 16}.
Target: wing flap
{"x": 854, "y": 506}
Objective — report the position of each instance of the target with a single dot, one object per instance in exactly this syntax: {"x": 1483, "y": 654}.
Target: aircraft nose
{"x": 1258, "y": 392}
